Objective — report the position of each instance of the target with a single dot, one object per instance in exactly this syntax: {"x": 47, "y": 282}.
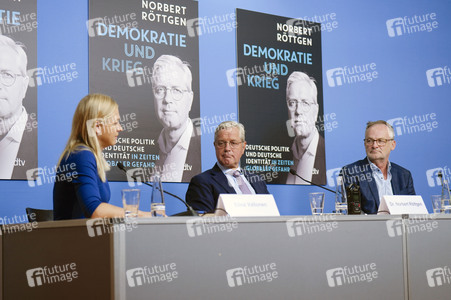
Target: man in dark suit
{"x": 226, "y": 177}
{"x": 375, "y": 174}
{"x": 308, "y": 146}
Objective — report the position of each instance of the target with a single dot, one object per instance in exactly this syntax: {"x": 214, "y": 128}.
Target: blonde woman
{"x": 81, "y": 188}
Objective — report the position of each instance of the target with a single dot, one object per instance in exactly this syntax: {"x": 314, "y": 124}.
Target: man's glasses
{"x": 7, "y": 78}
{"x": 223, "y": 144}
{"x": 380, "y": 142}
{"x": 176, "y": 93}
{"x": 305, "y": 106}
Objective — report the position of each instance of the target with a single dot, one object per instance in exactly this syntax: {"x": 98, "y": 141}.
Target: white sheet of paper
{"x": 403, "y": 204}
{"x": 260, "y": 205}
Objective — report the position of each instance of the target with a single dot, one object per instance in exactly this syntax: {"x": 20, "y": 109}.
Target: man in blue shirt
{"x": 375, "y": 174}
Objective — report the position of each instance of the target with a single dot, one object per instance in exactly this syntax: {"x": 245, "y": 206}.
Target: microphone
{"x": 293, "y": 172}
{"x": 190, "y": 211}
{"x": 440, "y": 175}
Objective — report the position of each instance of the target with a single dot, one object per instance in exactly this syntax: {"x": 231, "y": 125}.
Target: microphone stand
{"x": 189, "y": 212}
{"x": 293, "y": 172}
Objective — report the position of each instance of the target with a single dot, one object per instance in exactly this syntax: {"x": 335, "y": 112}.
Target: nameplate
{"x": 261, "y": 205}
{"x": 402, "y": 204}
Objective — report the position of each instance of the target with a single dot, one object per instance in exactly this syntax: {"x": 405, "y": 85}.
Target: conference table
{"x": 289, "y": 257}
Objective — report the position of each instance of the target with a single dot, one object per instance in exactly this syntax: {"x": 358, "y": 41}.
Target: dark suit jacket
{"x": 360, "y": 172}
{"x": 204, "y": 189}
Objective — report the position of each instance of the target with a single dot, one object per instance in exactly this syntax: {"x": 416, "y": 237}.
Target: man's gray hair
{"x": 297, "y": 76}
{"x": 231, "y": 124}
{"x": 18, "y": 48}
{"x": 391, "y": 131}
{"x": 165, "y": 61}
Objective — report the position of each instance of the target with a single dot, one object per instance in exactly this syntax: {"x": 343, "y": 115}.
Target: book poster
{"x": 145, "y": 55}
{"x": 280, "y": 94}
{"x": 20, "y": 78}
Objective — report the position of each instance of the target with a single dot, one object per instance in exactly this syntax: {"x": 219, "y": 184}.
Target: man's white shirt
{"x": 172, "y": 161}
{"x": 304, "y": 164}
{"x": 9, "y": 146}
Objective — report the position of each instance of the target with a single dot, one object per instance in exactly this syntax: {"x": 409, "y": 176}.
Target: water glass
{"x": 317, "y": 203}
{"x": 341, "y": 201}
{"x": 130, "y": 201}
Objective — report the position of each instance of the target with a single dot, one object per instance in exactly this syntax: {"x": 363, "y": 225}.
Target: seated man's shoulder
{"x": 356, "y": 163}
{"x": 203, "y": 176}
{"x": 402, "y": 169}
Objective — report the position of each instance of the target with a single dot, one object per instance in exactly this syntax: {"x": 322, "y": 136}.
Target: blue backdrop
{"x": 381, "y": 60}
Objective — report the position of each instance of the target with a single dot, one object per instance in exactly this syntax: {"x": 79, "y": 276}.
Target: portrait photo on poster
{"x": 18, "y": 91}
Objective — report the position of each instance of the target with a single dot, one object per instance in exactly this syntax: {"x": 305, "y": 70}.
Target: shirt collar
{"x": 311, "y": 149}
{"x": 16, "y": 132}
{"x": 375, "y": 168}
{"x": 227, "y": 170}
{"x": 182, "y": 143}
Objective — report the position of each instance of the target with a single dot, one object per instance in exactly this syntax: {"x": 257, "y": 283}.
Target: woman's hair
{"x": 92, "y": 109}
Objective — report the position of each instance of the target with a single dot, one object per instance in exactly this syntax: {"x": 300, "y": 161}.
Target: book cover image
{"x": 145, "y": 55}
{"x": 280, "y": 97}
